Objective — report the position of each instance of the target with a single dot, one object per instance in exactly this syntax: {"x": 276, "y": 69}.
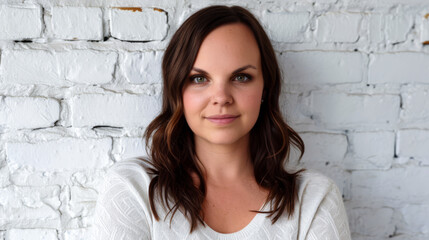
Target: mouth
{"x": 225, "y": 119}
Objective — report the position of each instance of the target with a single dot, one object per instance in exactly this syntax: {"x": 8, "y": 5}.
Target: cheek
{"x": 190, "y": 103}
{"x": 252, "y": 100}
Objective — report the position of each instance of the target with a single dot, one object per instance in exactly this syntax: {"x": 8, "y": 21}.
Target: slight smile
{"x": 222, "y": 119}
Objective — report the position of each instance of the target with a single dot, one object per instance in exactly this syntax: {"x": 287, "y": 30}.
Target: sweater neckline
{"x": 244, "y": 233}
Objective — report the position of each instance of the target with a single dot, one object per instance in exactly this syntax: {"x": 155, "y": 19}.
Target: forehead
{"x": 228, "y": 46}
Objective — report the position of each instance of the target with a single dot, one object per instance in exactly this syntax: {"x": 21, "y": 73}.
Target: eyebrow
{"x": 235, "y": 71}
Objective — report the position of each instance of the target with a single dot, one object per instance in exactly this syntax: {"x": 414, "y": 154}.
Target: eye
{"x": 243, "y": 78}
{"x": 197, "y": 79}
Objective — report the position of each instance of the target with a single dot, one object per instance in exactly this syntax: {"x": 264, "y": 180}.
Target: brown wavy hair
{"x": 169, "y": 140}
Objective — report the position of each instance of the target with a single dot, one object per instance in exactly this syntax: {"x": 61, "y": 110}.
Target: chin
{"x": 224, "y": 139}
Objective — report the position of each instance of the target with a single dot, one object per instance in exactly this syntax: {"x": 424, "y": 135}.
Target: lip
{"x": 222, "y": 119}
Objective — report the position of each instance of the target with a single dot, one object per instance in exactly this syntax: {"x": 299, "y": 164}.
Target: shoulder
{"x": 314, "y": 185}
{"x": 131, "y": 174}
{"x": 135, "y": 165}
{"x": 130, "y": 170}
{"x": 321, "y": 208}
{"x": 123, "y": 208}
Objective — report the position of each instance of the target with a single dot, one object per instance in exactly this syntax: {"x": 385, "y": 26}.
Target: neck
{"x": 224, "y": 164}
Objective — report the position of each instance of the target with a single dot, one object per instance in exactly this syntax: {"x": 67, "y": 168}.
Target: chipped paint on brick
{"x": 134, "y": 9}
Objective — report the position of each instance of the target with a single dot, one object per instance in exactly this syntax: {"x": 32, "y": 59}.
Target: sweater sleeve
{"x": 330, "y": 220}
{"x": 122, "y": 211}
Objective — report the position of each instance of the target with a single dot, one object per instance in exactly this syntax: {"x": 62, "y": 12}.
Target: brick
{"x": 338, "y": 27}
{"x": 389, "y": 28}
{"x": 132, "y": 147}
{"x": 78, "y": 206}
{"x": 323, "y": 148}
{"x": 345, "y": 110}
{"x": 31, "y": 234}
{"x": 295, "y": 31}
{"x": 408, "y": 237}
{"x": 28, "y": 112}
{"x": 292, "y": 105}
{"x": 377, "y": 26}
{"x": 143, "y": 67}
{"x": 397, "y": 28}
{"x": 77, "y": 23}
{"x": 57, "y": 68}
{"x": 4, "y": 176}
{"x": 324, "y": 152}
{"x": 120, "y": 110}
{"x": 336, "y": 173}
{"x": 61, "y": 154}
{"x": 88, "y": 67}
{"x": 414, "y": 109}
{"x": 413, "y": 143}
{"x": 138, "y": 24}
{"x": 30, "y": 207}
{"x": 376, "y": 222}
{"x": 82, "y": 201}
{"x": 77, "y": 234}
{"x": 384, "y": 3}
{"x": 316, "y": 67}
{"x": 20, "y": 22}
{"x": 424, "y": 29}
{"x": 401, "y": 67}
{"x": 43, "y": 70}
{"x": 390, "y": 187}
{"x": 370, "y": 150}
{"x": 415, "y": 219}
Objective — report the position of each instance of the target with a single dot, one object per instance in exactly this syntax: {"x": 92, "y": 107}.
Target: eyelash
{"x": 249, "y": 77}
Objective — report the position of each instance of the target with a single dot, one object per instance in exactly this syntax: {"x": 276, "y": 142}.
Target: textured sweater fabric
{"x": 123, "y": 212}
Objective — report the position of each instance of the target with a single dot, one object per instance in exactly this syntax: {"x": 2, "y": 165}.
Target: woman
{"x": 218, "y": 148}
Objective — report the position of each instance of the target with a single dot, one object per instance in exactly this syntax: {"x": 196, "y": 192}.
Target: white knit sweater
{"x": 123, "y": 212}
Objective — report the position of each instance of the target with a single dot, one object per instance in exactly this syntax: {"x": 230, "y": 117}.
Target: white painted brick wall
{"x": 400, "y": 67}
{"x": 341, "y": 110}
{"x": 23, "y": 112}
{"x": 324, "y": 149}
{"x": 138, "y": 24}
{"x": 415, "y": 218}
{"x": 31, "y": 234}
{"x": 79, "y": 82}
{"x": 58, "y": 68}
{"x": 390, "y": 187}
{"x": 397, "y": 28}
{"x": 338, "y": 27}
{"x": 113, "y": 109}
{"x": 370, "y": 150}
{"x": 377, "y": 28}
{"x": 77, "y": 23}
{"x": 373, "y": 221}
{"x": 131, "y": 147}
{"x": 143, "y": 67}
{"x": 77, "y": 234}
{"x": 413, "y": 114}
{"x": 413, "y": 143}
{"x": 424, "y": 29}
{"x": 30, "y": 207}
{"x": 20, "y": 22}
{"x": 295, "y": 32}
{"x": 304, "y": 67}
{"x": 65, "y": 153}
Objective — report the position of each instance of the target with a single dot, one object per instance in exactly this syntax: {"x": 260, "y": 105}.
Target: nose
{"x": 222, "y": 94}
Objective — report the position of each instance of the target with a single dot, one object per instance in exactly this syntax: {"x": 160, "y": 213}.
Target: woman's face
{"x": 222, "y": 96}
